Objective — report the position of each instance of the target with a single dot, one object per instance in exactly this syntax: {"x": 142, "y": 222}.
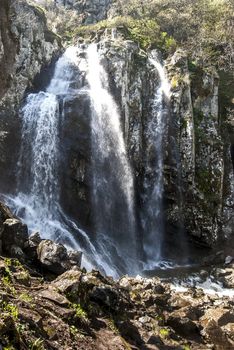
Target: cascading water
{"x": 38, "y": 179}
{"x": 152, "y": 217}
{"x": 113, "y": 246}
{"x": 37, "y": 202}
{"x": 113, "y": 193}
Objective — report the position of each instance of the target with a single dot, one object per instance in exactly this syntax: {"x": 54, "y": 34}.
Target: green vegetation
{"x": 205, "y": 28}
{"x": 112, "y": 326}
{"x": 13, "y": 265}
{"x": 25, "y": 297}
{"x": 80, "y": 313}
{"x": 145, "y": 31}
{"x": 186, "y": 347}
{"x": 9, "y": 309}
{"x": 37, "y": 345}
{"x": 164, "y": 332}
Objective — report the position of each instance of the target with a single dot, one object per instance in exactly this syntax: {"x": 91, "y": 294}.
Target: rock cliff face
{"x": 26, "y": 46}
{"x": 194, "y": 155}
{"x": 81, "y": 12}
{"x": 200, "y": 139}
{"x": 195, "y": 115}
{"x": 90, "y": 11}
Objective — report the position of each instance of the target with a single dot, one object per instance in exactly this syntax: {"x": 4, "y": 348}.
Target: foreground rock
{"x": 46, "y": 254}
{"x": 80, "y": 310}
{"x": 55, "y": 257}
{"x": 47, "y": 302}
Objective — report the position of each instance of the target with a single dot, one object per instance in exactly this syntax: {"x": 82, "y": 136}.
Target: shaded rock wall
{"x": 26, "y": 46}
{"x": 200, "y": 138}
{"x": 91, "y": 11}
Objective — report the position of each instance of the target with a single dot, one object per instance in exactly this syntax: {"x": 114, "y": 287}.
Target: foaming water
{"x": 209, "y": 286}
{"x": 184, "y": 277}
{"x": 152, "y": 218}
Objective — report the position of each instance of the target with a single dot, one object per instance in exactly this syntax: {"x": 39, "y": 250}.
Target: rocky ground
{"x": 48, "y": 302}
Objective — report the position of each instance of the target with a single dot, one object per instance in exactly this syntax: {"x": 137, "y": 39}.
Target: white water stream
{"x": 153, "y": 183}
{"x": 113, "y": 192}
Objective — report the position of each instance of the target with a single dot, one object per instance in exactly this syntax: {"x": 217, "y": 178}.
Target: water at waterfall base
{"x": 182, "y": 278}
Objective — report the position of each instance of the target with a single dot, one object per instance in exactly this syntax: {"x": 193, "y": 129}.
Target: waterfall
{"x": 112, "y": 188}
{"x": 40, "y": 136}
{"x": 38, "y": 174}
{"x": 112, "y": 247}
{"x": 152, "y": 217}
{"x": 38, "y": 192}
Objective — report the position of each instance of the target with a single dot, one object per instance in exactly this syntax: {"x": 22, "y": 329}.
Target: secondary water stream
{"x": 152, "y": 216}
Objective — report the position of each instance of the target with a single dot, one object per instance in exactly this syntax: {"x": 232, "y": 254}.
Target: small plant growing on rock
{"x": 164, "y": 333}
{"x": 113, "y": 326}
{"x": 186, "y": 347}
{"x": 80, "y": 313}
{"x": 76, "y": 333}
{"x": 37, "y": 345}
{"x": 25, "y": 297}
{"x": 10, "y": 309}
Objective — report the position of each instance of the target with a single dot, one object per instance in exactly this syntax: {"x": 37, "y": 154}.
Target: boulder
{"x": 31, "y": 245}
{"x": 14, "y": 233}
{"x": 225, "y": 276}
{"x": 130, "y": 332}
{"x": 229, "y": 259}
{"x": 106, "y": 296}
{"x": 54, "y": 296}
{"x": 217, "y": 327}
{"x": 5, "y": 213}
{"x": 221, "y": 316}
{"x": 55, "y": 258}
{"x": 215, "y": 334}
{"x": 17, "y": 252}
{"x": 74, "y": 257}
{"x": 229, "y": 330}
{"x": 182, "y": 324}
{"x": 68, "y": 283}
